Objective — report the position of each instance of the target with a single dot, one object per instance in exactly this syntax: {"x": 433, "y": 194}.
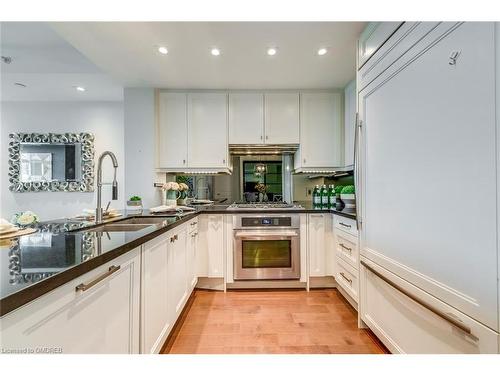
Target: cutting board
{"x": 21, "y": 232}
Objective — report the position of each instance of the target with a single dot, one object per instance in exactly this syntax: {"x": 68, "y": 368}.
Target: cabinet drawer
{"x": 346, "y": 248}
{"x": 192, "y": 225}
{"x": 405, "y": 322}
{"x": 346, "y": 224}
{"x": 347, "y": 278}
{"x": 96, "y": 313}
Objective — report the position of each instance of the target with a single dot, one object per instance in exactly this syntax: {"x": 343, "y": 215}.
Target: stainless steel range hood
{"x": 263, "y": 149}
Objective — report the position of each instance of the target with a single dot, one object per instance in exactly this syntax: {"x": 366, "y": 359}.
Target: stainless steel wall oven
{"x": 266, "y": 247}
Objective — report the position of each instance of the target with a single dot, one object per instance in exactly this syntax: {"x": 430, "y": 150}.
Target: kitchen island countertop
{"x": 62, "y": 250}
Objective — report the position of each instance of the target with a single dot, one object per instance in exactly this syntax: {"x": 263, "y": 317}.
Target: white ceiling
{"x": 128, "y": 52}
{"x": 49, "y": 66}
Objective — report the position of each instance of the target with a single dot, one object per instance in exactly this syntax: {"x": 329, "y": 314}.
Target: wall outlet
{"x": 308, "y": 192}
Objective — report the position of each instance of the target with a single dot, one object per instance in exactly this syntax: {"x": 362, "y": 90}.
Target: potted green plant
{"x": 348, "y": 196}
{"x": 134, "y": 203}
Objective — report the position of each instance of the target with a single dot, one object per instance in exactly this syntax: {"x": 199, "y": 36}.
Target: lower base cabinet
{"x": 177, "y": 272}
{"x": 101, "y": 319}
{"x": 156, "y": 319}
{"x": 406, "y": 326}
{"x": 168, "y": 278}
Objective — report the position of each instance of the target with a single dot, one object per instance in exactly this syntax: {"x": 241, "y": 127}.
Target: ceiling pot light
{"x": 215, "y": 52}
{"x": 322, "y": 51}
{"x": 272, "y": 51}
{"x": 163, "y": 50}
{"x": 80, "y": 88}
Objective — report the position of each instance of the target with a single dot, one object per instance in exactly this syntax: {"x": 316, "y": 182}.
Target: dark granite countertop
{"x": 60, "y": 251}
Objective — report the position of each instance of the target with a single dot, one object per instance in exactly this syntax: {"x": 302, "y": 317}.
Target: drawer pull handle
{"x": 194, "y": 234}
{"x": 445, "y": 316}
{"x": 174, "y": 238}
{"x": 345, "y": 248}
{"x": 83, "y": 287}
{"x": 345, "y": 225}
{"x": 346, "y": 278}
{"x": 194, "y": 223}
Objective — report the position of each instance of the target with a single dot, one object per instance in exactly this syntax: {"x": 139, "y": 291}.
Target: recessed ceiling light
{"x": 322, "y": 51}
{"x": 215, "y": 51}
{"x": 272, "y": 51}
{"x": 80, "y": 88}
{"x": 163, "y": 50}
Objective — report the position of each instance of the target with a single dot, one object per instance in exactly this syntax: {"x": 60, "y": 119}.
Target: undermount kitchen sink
{"x": 142, "y": 220}
{"x": 117, "y": 227}
{"x": 127, "y": 225}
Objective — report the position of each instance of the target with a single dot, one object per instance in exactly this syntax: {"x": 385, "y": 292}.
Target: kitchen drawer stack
{"x": 347, "y": 257}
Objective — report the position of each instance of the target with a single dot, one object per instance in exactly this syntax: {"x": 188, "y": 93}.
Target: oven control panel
{"x": 282, "y": 221}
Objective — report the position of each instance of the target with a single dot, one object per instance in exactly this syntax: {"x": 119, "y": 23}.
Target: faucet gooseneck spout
{"x": 98, "y": 210}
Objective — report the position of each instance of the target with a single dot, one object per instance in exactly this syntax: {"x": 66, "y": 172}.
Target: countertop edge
{"x": 18, "y": 299}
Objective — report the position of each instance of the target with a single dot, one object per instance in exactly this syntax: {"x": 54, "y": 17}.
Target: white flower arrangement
{"x": 25, "y": 218}
{"x": 171, "y": 186}
{"x": 183, "y": 187}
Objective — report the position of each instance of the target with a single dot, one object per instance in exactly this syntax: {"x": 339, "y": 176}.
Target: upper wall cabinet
{"x": 372, "y": 38}
{"x": 246, "y": 118}
{"x": 207, "y": 130}
{"x": 172, "y": 130}
{"x": 321, "y": 140}
{"x": 192, "y": 132}
{"x": 282, "y": 118}
{"x": 271, "y": 118}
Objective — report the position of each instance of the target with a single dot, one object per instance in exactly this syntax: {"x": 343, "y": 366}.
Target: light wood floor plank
{"x": 271, "y": 322}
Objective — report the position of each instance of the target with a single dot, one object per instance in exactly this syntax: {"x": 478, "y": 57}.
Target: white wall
{"x": 140, "y": 143}
{"x": 104, "y": 119}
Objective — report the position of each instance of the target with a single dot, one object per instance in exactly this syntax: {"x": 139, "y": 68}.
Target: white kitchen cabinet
{"x": 373, "y": 37}
{"x": 349, "y": 123}
{"x": 101, "y": 319}
{"x": 172, "y": 130}
{"x": 431, "y": 117}
{"x": 191, "y": 252}
{"x": 281, "y": 118}
{"x": 321, "y": 143}
{"x": 401, "y": 320}
{"x": 215, "y": 243}
{"x": 177, "y": 271}
{"x": 246, "y": 118}
{"x": 207, "y": 130}
{"x": 210, "y": 250}
{"x": 317, "y": 244}
{"x": 156, "y": 320}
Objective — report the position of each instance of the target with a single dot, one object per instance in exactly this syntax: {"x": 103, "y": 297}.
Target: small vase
{"x": 181, "y": 201}
{"x": 171, "y": 196}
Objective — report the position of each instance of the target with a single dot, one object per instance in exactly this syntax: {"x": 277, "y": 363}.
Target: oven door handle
{"x": 266, "y": 234}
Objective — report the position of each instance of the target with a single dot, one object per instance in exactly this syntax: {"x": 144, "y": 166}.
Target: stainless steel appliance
{"x": 266, "y": 247}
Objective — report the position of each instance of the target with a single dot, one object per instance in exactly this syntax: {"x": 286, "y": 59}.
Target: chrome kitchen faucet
{"x": 98, "y": 210}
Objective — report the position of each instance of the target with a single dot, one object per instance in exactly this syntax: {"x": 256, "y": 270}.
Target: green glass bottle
{"x": 324, "y": 197}
{"x": 316, "y": 197}
{"x": 331, "y": 197}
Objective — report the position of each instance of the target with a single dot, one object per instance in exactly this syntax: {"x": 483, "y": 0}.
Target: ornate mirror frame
{"x": 86, "y": 184}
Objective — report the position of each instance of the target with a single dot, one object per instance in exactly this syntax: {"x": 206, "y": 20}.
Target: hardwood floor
{"x": 281, "y": 322}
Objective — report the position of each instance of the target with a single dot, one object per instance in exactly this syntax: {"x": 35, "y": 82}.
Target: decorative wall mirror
{"x": 51, "y": 162}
